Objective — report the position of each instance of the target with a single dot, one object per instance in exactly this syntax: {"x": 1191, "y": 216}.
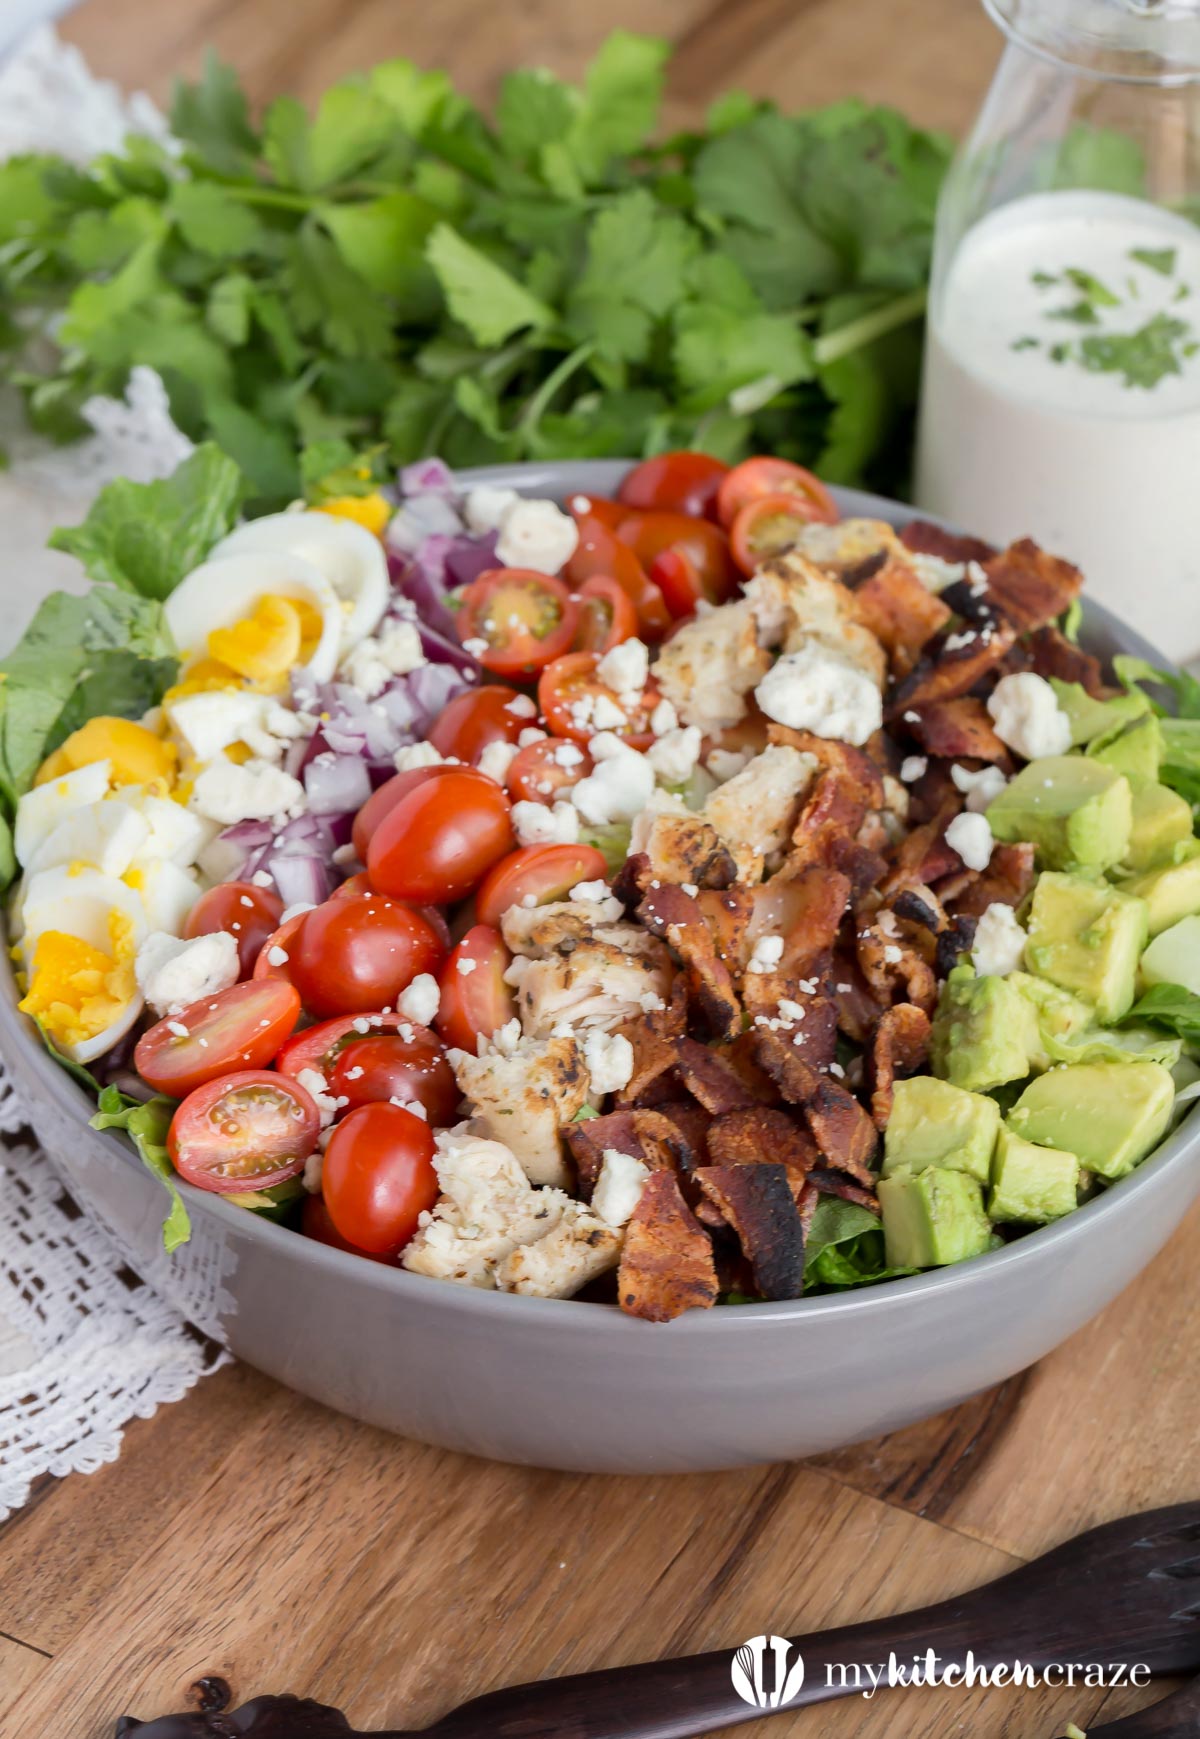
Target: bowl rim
{"x": 1044, "y": 1244}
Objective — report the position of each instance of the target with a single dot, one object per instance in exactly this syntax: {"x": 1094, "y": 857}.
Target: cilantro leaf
{"x": 383, "y": 240}
{"x": 211, "y": 221}
{"x": 1161, "y": 260}
{"x": 144, "y": 537}
{"x": 481, "y": 295}
{"x": 637, "y": 255}
{"x": 212, "y": 116}
{"x": 147, "y": 1125}
{"x": 1143, "y": 357}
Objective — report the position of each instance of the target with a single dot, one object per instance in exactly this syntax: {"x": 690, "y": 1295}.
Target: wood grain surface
{"x": 248, "y": 1532}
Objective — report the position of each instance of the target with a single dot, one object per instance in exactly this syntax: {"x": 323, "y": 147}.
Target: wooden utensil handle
{"x": 676, "y": 1699}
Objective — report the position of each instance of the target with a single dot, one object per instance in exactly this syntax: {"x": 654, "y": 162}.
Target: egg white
{"x": 40, "y": 811}
{"x": 222, "y": 592}
{"x": 351, "y": 560}
{"x": 79, "y": 903}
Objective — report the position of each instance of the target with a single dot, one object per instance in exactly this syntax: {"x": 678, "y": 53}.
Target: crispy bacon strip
{"x": 857, "y": 1009}
{"x": 589, "y": 1139}
{"x": 854, "y": 766}
{"x": 758, "y": 1203}
{"x": 1030, "y": 586}
{"x": 900, "y": 611}
{"x": 806, "y": 908}
{"x": 899, "y": 1047}
{"x": 691, "y": 1124}
{"x": 928, "y": 539}
{"x": 711, "y": 1080}
{"x": 727, "y": 912}
{"x": 923, "y": 856}
{"x": 842, "y": 1130}
{"x": 953, "y": 663}
{"x": 670, "y": 913}
{"x": 954, "y": 941}
{"x": 832, "y": 1183}
{"x": 667, "y": 1263}
{"x": 654, "y": 1036}
{"x": 1049, "y": 653}
{"x": 960, "y": 730}
{"x": 1007, "y": 879}
{"x": 888, "y": 959}
{"x": 832, "y": 814}
{"x": 761, "y": 1135}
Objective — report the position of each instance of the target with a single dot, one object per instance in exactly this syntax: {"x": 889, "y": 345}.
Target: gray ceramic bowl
{"x": 579, "y": 1386}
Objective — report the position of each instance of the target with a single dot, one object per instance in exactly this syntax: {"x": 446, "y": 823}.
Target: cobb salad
{"x": 675, "y": 899}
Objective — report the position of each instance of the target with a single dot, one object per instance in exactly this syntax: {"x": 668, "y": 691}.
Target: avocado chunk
{"x": 1170, "y": 892}
{"x": 1137, "y": 752}
{"x": 984, "y": 1032}
{"x": 1076, "y": 811}
{"x": 935, "y": 1123}
{"x": 1162, "y": 820}
{"x": 1174, "y": 956}
{"x": 1032, "y": 1183}
{"x": 932, "y": 1217}
{"x": 1060, "y": 1016}
{"x": 1091, "y": 718}
{"x": 1086, "y": 937}
{"x": 1109, "y": 1115}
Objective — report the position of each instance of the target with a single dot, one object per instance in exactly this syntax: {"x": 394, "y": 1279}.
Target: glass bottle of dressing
{"x": 1061, "y": 395}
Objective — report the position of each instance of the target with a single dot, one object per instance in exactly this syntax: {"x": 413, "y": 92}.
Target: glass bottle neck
{"x": 1125, "y": 41}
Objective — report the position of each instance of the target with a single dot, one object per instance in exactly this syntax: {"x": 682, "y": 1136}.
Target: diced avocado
{"x": 1032, "y": 1183}
{"x": 1170, "y": 892}
{"x": 1108, "y": 1114}
{"x": 934, "y": 1123}
{"x": 1077, "y": 812}
{"x": 1059, "y": 1015}
{"x": 1086, "y": 937}
{"x": 932, "y": 1217}
{"x": 984, "y": 1032}
{"x": 1174, "y": 956}
{"x": 1095, "y": 718}
{"x": 1162, "y": 819}
{"x": 1137, "y": 752}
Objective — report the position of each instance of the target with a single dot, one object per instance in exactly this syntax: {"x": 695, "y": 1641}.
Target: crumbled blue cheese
{"x": 673, "y": 756}
{"x": 971, "y": 837}
{"x": 420, "y": 1001}
{"x": 814, "y": 690}
{"x": 172, "y": 974}
{"x": 619, "y": 1186}
{"x": 999, "y": 945}
{"x": 979, "y": 788}
{"x": 542, "y": 824}
{"x": 255, "y": 791}
{"x": 1027, "y": 716}
{"x": 620, "y": 785}
{"x": 608, "y": 1058}
{"x": 537, "y": 535}
{"x": 913, "y": 768}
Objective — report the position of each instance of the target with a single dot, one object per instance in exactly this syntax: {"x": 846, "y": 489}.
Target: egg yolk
{"x": 138, "y": 757}
{"x": 372, "y": 512}
{"x": 76, "y": 990}
{"x": 205, "y": 676}
{"x": 262, "y": 647}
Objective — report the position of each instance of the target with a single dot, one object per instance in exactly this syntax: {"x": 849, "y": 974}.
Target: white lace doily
{"x": 85, "y": 1346}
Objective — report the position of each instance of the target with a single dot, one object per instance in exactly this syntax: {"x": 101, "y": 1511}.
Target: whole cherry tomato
{"x": 243, "y": 909}
{"x": 493, "y": 714}
{"x": 536, "y": 874}
{"x": 377, "y": 806}
{"x": 601, "y": 551}
{"x": 354, "y": 956}
{"x": 378, "y": 1178}
{"x": 245, "y": 1131}
{"x": 654, "y": 535}
{"x": 315, "y": 1222}
{"x": 238, "y": 1028}
{"x": 318, "y": 1047}
{"x": 407, "y": 1065}
{"x": 475, "y": 1001}
{"x": 440, "y": 840}
{"x": 682, "y": 482}
{"x": 542, "y": 771}
{"x": 274, "y": 957}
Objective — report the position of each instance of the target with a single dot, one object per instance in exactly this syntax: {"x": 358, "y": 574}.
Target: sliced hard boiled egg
{"x": 167, "y": 893}
{"x": 81, "y": 937}
{"x": 223, "y": 598}
{"x": 41, "y": 810}
{"x": 107, "y": 835}
{"x": 208, "y": 723}
{"x": 351, "y": 560}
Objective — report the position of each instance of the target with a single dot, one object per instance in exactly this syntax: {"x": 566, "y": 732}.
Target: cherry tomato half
{"x": 568, "y": 691}
{"x": 238, "y": 1028}
{"x": 315, "y": 1222}
{"x": 606, "y": 615}
{"x": 378, "y": 1178}
{"x": 353, "y": 956}
{"x": 376, "y": 807}
{"x": 245, "y": 910}
{"x": 318, "y": 1047}
{"x": 481, "y": 716}
{"x": 652, "y": 535}
{"x": 609, "y": 513}
{"x": 601, "y": 551}
{"x": 525, "y": 617}
{"x": 246, "y": 1131}
{"x": 767, "y": 526}
{"x": 390, "y": 1066}
{"x": 356, "y": 886}
{"x": 275, "y": 955}
{"x": 547, "y": 872}
{"x": 476, "y": 1002}
{"x": 440, "y": 841}
{"x": 763, "y": 476}
{"x": 682, "y": 482}
{"x": 541, "y": 771}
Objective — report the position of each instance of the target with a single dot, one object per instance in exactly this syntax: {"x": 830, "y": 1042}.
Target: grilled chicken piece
{"x": 579, "y": 1248}
{"x": 523, "y": 1095}
{"x": 792, "y": 593}
{"x": 756, "y": 810}
{"x": 600, "y": 983}
{"x": 486, "y": 1210}
{"x": 558, "y": 927}
{"x": 681, "y": 846}
{"x": 709, "y": 666}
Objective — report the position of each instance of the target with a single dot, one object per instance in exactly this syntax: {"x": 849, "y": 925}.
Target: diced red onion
{"x": 336, "y": 783}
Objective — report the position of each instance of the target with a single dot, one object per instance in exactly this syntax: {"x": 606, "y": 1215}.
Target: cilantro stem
{"x": 856, "y": 333}
{"x": 272, "y": 196}
{"x": 535, "y": 409}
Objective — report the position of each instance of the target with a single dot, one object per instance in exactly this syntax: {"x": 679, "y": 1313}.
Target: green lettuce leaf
{"x": 147, "y": 1125}
{"x": 845, "y": 1248}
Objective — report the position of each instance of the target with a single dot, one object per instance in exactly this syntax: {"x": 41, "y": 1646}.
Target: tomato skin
{"x": 480, "y": 716}
{"x": 526, "y": 618}
{"x": 601, "y": 551}
{"x": 439, "y": 842}
{"x": 598, "y": 507}
{"x": 379, "y": 804}
{"x": 537, "y": 776}
{"x": 548, "y": 871}
{"x": 241, "y": 1028}
{"x": 768, "y": 525}
{"x": 766, "y": 476}
{"x": 378, "y": 1177}
{"x": 476, "y": 1003}
{"x": 243, "y": 909}
{"x": 354, "y": 956}
{"x": 316, "y": 1223}
{"x": 390, "y": 1066}
{"x": 285, "y": 938}
{"x": 680, "y": 582}
{"x": 568, "y": 680}
{"x": 680, "y": 482}
{"x": 249, "y": 1130}
{"x": 318, "y": 1047}
{"x": 606, "y": 615}
{"x": 650, "y": 535}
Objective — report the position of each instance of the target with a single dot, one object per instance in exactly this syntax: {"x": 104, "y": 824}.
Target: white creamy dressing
{"x": 1014, "y": 443}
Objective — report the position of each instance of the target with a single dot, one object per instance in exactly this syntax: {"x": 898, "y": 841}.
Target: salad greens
{"x": 146, "y": 1124}
{"x": 401, "y": 269}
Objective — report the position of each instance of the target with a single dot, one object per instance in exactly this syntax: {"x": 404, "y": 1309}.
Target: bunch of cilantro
{"x": 400, "y": 270}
